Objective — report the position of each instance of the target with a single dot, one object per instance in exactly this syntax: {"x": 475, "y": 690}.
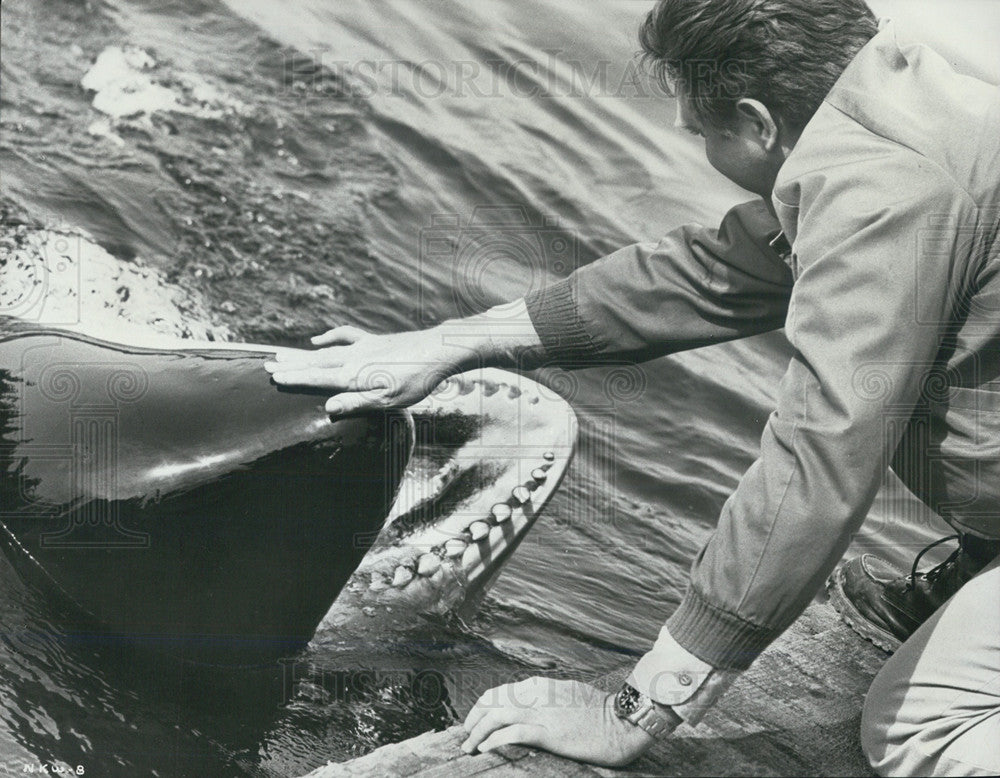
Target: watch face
{"x": 626, "y": 701}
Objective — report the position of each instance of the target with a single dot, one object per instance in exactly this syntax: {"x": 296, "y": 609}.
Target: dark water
{"x": 352, "y": 130}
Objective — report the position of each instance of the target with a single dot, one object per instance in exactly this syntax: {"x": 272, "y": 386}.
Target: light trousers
{"x": 934, "y": 708}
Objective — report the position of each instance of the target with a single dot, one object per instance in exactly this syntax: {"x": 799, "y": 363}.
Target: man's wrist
{"x": 503, "y": 336}
{"x": 673, "y": 676}
{"x": 629, "y": 735}
{"x": 461, "y": 344}
{"x": 639, "y": 710}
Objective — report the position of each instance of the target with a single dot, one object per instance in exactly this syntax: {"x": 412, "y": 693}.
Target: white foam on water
{"x": 129, "y": 84}
{"x": 122, "y": 86}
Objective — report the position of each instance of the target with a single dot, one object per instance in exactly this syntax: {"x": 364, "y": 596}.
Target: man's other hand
{"x": 368, "y": 372}
{"x": 567, "y": 718}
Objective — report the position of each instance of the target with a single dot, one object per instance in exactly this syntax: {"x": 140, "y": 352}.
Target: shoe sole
{"x": 853, "y": 618}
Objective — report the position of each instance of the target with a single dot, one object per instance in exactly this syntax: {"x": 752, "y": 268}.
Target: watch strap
{"x": 656, "y": 719}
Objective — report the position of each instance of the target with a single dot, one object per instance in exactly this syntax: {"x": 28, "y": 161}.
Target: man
{"x": 875, "y": 244}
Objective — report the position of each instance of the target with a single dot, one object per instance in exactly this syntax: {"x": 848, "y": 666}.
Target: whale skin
{"x": 177, "y": 498}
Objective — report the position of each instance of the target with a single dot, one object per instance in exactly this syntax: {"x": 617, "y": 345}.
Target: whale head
{"x": 172, "y": 493}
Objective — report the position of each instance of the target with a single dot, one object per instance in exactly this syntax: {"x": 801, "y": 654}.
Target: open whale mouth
{"x": 491, "y": 450}
{"x": 174, "y": 497}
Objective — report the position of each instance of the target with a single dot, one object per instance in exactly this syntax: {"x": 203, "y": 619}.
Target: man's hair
{"x": 785, "y": 53}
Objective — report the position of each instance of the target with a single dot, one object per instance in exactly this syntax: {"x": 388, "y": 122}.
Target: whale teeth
{"x": 521, "y": 494}
{"x": 548, "y": 456}
{"x": 379, "y": 583}
{"x": 538, "y": 474}
{"x": 454, "y": 547}
{"x": 479, "y": 530}
{"x": 501, "y": 511}
{"x": 402, "y": 576}
{"x": 490, "y": 388}
{"x": 513, "y": 392}
{"x": 465, "y": 387}
{"x": 428, "y": 564}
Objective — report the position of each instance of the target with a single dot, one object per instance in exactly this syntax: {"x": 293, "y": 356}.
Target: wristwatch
{"x": 636, "y": 708}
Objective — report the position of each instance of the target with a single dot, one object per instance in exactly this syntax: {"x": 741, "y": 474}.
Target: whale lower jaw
{"x": 506, "y": 443}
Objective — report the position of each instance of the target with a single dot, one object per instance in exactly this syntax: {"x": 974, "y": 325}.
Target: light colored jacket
{"x": 890, "y": 296}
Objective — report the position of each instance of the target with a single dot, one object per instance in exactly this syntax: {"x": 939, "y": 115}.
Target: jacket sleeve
{"x": 695, "y": 287}
{"x": 866, "y": 320}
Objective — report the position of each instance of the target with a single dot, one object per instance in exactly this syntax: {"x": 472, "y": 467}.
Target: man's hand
{"x": 371, "y": 372}
{"x": 567, "y": 718}
{"x": 375, "y": 372}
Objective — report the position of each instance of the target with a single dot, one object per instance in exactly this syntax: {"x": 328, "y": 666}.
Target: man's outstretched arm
{"x": 695, "y": 287}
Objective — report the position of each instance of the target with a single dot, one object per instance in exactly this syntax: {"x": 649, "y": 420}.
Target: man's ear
{"x": 756, "y": 118}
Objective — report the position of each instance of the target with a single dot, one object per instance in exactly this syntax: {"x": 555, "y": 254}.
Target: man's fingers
{"x": 327, "y": 357}
{"x": 475, "y": 716}
{"x": 488, "y": 701}
{"x": 522, "y": 734}
{"x": 315, "y": 377}
{"x": 497, "y": 718}
{"x": 338, "y": 336}
{"x": 354, "y": 402}
{"x": 491, "y": 700}
{"x": 284, "y": 362}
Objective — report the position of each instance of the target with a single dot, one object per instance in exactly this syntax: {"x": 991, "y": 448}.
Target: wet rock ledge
{"x": 796, "y": 712}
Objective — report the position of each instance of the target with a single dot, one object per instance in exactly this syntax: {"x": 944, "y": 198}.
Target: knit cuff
{"x": 716, "y": 636}
{"x": 556, "y": 318}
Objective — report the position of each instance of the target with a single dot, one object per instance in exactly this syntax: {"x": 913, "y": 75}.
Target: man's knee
{"x": 932, "y": 709}
{"x": 890, "y": 753}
